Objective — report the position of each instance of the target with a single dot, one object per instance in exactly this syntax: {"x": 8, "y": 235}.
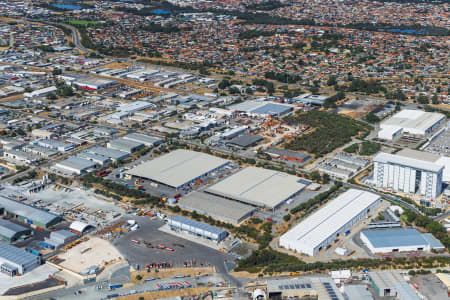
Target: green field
{"x": 83, "y": 22}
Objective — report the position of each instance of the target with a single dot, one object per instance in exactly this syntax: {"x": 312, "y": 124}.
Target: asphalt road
{"x": 388, "y": 197}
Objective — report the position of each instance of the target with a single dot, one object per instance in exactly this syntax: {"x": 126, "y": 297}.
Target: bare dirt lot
{"x": 101, "y": 252}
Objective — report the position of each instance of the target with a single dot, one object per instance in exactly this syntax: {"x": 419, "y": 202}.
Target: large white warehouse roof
{"x": 397, "y": 159}
{"x": 258, "y": 186}
{"x": 317, "y": 228}
{"x": 179, "y": 167}
{"x": 413, "y": 121}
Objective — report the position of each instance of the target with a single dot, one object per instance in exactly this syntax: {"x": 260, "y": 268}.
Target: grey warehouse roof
{"x": 9, "y": 229}
{"x": 288, "y": 153}
{"x": 15, "y": 255}
{"x": 217, "y": 207}
{"x": 147, "y": 140}
{"x": 203, "y": 226}
{"x": 399, "y": 237}
{"x": 178, "y": 167}
{"x": 258, "y": 186}
{"x": 125, "y": 143}
{"x": 113, "y": 154}
{"x": 245, "y": 140}
{"x": 77, "y": 163}
{"x": 28, "y": 211}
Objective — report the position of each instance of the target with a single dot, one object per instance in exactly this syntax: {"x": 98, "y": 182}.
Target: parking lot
{"x": 430, "y": 286}
{"x": 184, "y": 251}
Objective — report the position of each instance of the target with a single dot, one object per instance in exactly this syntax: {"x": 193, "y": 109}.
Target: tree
{"x": 423, "y": 99}
{"x": 287, "y": 217}
{"x": 326, "y": 178}
{"x": 372, "y": 118}
{"x": 234, "y": 90}
{"x": 314, "y": 90}
{"x": 435, "y": 99}
{"x": 51, "y": 96}
{"x": 331, "y": 81}
{"x": 224, "y": 84}
{"x": 315, "y": 176}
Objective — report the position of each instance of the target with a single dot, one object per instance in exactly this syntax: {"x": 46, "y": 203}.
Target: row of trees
{"x": 118, "y": 189}
{"x": 316, "y": 200}
{"x": 433, "y": 227}
{"x": 415, "y": 29}
{"x": 255, "y": 33}
{"x": 270, "y": 261}
{"x": 282, "y": 77}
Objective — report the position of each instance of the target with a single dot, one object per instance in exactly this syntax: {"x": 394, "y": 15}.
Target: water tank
{"x": 258, "y": 294}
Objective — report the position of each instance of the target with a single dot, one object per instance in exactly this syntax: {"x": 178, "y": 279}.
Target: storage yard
{"x": 93, "y": 252}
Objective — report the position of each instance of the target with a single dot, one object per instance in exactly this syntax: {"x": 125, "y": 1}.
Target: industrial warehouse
{"x": 14, "y": 261}
{"x": 11, "y": 232}
{"x": 261, "y": 109}
{"x": 399, "y": 240}
{"x": 147, "y": 140}
{"x": 27, "y": 213}
{"x": 179, "y": 168}
{"x": 315, "y": 233}
{"x": 217, "y": 207}
{"x": 412, "y": 122}
{"x": 259, "y": 187}
{"x": 196, "y": 228}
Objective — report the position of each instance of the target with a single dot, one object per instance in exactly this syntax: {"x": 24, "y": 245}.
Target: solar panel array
{"x": 330, "y": 291}
{"x": 296, "y": 286}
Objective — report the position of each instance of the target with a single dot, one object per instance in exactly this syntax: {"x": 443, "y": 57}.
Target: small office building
{"x": 197, "y": 228}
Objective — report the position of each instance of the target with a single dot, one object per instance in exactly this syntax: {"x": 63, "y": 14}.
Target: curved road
{"x": 386, "y": 196}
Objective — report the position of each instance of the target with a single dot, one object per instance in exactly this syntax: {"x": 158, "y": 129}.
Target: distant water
{"x": 162, "y": 12}
{"x": 407, "y": 31}
{"x": 67, "y": 6}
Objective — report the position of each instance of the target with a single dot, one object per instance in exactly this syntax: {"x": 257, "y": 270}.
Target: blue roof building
{"x": 398, "y": 240}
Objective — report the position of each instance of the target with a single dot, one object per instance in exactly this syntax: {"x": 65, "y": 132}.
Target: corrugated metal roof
{"x": 142, "y": 138}
{"x": 9, "y": 229}
{"x": 113, "y": 154}
{"x": 27, "y": 211}
{"x": 75, "y": 162}
{"x": 214, "y": 206}
{"x": 15, "y": 255}
{"x": 399, "y": 237}
{"x": 178, "y": 167}
{"x": 202, "y": 226}
{"x": 258, "y": 186}
{"x": 320, "y": 225}
{"x": 432, "y": 241}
